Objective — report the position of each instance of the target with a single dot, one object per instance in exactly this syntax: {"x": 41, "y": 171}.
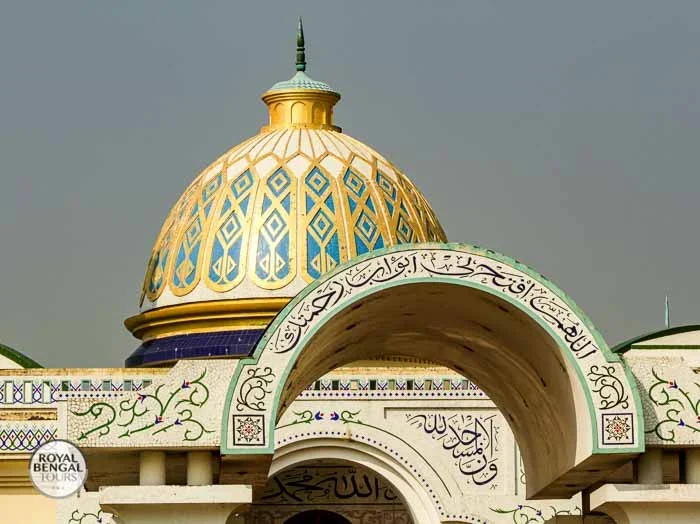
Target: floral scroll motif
{"x": 78, "y": 517}
{"x": 308, "y": 416}
{"x": 609, "y": 388}
{"x": 254, "y": 388}
{"x": 525, "y": 514}
{"x": 152, "y": 413}
{"x": 679, "y": 406}
{"x": 303, "y": 417}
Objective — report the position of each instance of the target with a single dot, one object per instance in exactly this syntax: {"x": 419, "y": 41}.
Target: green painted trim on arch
{"x": 445, "y": 280}
{"x": 666, "y": 346}
{"x": 466, "y": 248}
{"x": 19, "y": 358}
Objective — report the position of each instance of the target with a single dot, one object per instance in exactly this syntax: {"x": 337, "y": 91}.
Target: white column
{"x": 692, "y": 466}
{"x": 152, "y": 468}
{"x": 199, "y": 468}
{"x": 650, "y": 467}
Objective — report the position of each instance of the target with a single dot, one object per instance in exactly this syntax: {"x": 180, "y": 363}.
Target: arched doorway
{"x": 360, "y": 482}
{"x": 519, "y": 337}
{"x": 318, "y": 478}
{"x": 317, "y": 516}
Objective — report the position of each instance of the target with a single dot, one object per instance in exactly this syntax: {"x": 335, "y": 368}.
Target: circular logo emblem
{"x": 58, "y": 469}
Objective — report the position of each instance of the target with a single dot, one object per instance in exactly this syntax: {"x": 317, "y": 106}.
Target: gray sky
{"x": 565, "y": 134}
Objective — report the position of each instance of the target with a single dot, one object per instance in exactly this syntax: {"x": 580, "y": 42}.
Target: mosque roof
{"x": 654, "y": 336}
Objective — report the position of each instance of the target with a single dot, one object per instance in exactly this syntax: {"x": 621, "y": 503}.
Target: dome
{"x": 278, "y": 211}
{"x": 273, "y": 214}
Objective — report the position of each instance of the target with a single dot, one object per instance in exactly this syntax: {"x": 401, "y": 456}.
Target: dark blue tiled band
{"x": 196, "y": 345}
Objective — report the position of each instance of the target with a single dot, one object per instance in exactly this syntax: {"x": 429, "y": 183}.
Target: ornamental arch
{"x": 571, "y": 403}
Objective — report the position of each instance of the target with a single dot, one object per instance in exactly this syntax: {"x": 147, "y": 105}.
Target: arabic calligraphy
{"x": 471, "y": 440}
{"x": 558, "y": 316}
{"x": 463, "y": 266}
{"x": 324, "y": 484}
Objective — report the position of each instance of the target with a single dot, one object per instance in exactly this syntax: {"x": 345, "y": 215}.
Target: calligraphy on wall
{"x": 328, "y": 484}
{"x": 469, "y": 440}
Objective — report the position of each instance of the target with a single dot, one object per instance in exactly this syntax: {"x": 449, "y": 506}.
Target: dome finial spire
{"x": 301, "y": 55}
{"x": 301, "y": 101}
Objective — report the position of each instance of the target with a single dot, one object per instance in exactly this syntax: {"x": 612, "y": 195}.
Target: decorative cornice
{"x": 27, "y": 415}
{"x": 14, "y": 472}
{"x": 198, "y": 317}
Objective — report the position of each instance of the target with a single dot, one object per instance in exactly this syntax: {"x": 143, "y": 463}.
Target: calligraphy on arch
{"x": 420, "y": 263}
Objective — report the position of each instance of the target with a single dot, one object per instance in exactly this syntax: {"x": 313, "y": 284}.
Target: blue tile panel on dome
{"x": 196, "y": 345}
{"x": 279, "y": 211}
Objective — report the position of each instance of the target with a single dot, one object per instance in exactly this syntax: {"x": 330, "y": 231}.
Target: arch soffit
{"x": 613, "y": 406}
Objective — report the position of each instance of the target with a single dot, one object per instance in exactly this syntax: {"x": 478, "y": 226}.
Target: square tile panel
{"x": 248, "y": 430}
{"x": 618, "y": 428}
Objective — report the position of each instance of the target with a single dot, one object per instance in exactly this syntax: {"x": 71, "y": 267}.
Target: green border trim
{"x": 625, "y": 346}
{"x": 609, "y": 355}
{"x": 695, "y": 346}
{"x": 19, "y": 358}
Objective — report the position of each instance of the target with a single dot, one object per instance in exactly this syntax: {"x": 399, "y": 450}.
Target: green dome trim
{"x": 625, "y": 346}
{"x": 302, "y": 81}
{"x": 18, "y": 358}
